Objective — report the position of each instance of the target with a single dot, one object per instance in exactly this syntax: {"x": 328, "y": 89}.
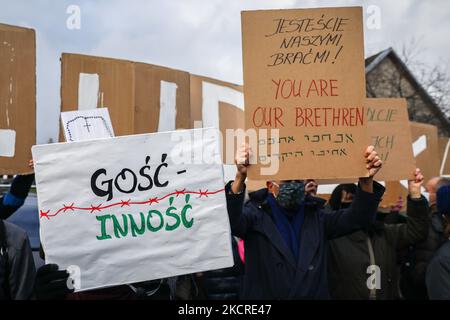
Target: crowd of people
{"x": 288, "y": 243}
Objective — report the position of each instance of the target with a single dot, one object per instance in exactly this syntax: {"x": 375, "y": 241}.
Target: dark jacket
{"x": 17, "y": 270}
{"x": 438, "y": 274}
{"x": 225, "y": 284}
{"x": 349, "y": 256}
{"x": 418, "y": 257}
{"x": 271, "y": 271}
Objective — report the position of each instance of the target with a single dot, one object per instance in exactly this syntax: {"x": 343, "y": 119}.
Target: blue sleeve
{"x": 16, "y": 195}
{"x": 11, "y": 200}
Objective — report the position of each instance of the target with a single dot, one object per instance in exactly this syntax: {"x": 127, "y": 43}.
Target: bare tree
{"x": 435, "y": 79}
{"x": 392, "y": 78}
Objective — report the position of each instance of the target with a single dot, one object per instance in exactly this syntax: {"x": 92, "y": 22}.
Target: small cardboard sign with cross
{"x": 87, "y": 124}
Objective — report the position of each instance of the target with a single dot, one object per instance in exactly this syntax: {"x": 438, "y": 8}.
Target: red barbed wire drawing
{"x": 125, "y": 203}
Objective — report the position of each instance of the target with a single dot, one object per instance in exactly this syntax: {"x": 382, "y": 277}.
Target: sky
{"x": 199, "y": 36}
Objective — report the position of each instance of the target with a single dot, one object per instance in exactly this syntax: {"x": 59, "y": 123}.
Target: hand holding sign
{"x": 311, "y": 187}
{"x": 373, "y": 161}
{"x": 373, "y": 165}
{"x": 242, "y": 161}
{"x": 135, "y": 211}
{"x": 51, "y": 283}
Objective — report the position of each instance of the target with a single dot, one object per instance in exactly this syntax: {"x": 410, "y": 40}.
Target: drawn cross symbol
{"x": 153, "y": 200}
{"x": 180, "y": 192}
{"x": 44, "y": 214}
{"x": 203, "y": 193}
{"x": 87, "y": 126}
{"x": 125, "y": 203}
{"x": 68, "y": 207}
{"x": 95, "y": 208}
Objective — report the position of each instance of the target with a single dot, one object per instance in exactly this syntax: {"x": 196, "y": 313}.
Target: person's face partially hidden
{"x": 274, "y": 186}
{"x": 430, "y": 187}
{"x": 289, "y": 194}
{"x": 346, "y": 197}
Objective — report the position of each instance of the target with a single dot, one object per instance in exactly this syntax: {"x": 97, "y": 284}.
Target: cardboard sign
{"x": 17, "y": 98}
{"x": 304, "y": 76}
{"x": 388, "y": 125}
{"x": 444, "y": 152}
{"x": 155, "y": 98}
{"x": 161, "y": 98}
{"x": 425, "y": 150}
{"x": 145, "y": 207}
{"x": 389, "y": 132}
{"x": 87, "y": 125}
{"x": 141, "y": 98}
{"x": 88, "y": 82}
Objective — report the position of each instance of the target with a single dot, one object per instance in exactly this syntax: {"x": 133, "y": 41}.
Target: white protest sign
{"x": 87, "y": 124}
{"x": 134, "y": 208}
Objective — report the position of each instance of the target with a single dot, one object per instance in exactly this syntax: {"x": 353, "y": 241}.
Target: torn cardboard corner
{"x": 17, "y": 98}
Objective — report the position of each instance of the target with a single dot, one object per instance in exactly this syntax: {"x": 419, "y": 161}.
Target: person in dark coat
{"x": 418, "y": 256}
{"x": 17, "y": 269}
{"x": 342, "y": 196}
{"x": 363, "y": 265}
{"x": 52, "y": 283}
{"x": 286, "y": 233}
{"x": 438, "y": 271}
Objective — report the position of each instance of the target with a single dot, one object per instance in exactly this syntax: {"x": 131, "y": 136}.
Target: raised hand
{"x": 415, "y": 184}
{"x": 373, "y": 161}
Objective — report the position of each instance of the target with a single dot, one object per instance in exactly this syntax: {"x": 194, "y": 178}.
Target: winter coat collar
{"x": 308, "y": 243}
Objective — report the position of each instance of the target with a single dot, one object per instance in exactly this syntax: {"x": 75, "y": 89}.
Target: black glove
{"x": 51, "y": 283}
